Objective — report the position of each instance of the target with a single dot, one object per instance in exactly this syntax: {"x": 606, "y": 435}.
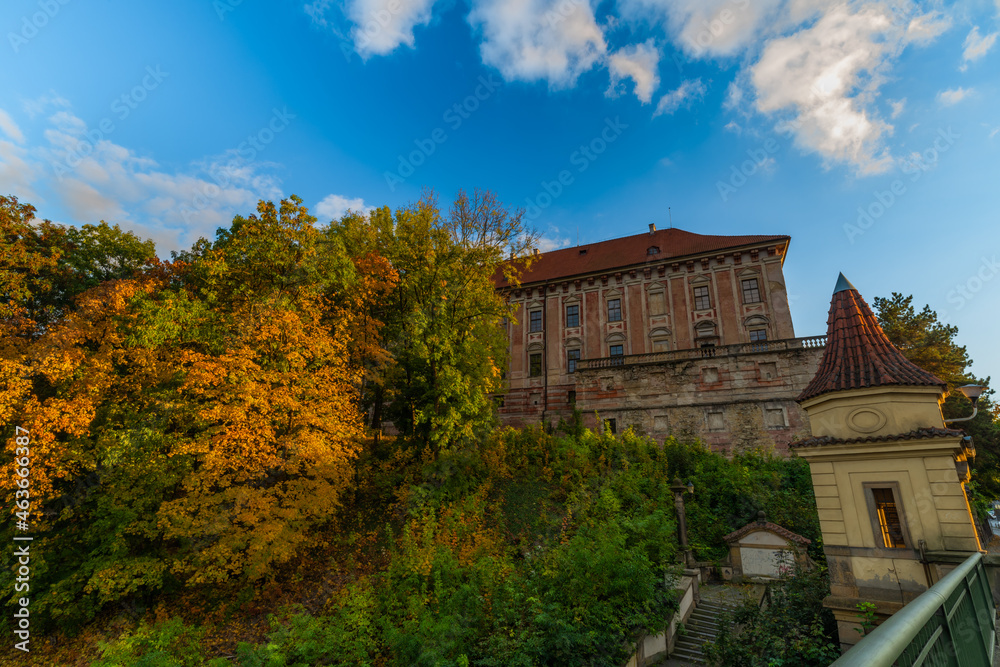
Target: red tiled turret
{"x": 858, "y": 353}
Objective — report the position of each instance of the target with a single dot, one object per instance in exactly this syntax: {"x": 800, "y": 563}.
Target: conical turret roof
{"x": 858, "y": 353}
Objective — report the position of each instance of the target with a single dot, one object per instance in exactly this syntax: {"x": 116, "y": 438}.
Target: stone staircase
{"x": 702, "y": 626}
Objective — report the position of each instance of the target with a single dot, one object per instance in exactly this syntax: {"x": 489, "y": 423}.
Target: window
{"x": 617, "y": 350}
{"x": 758, "y": 335}
{"x": 889, "y": 521}
{"x": 716, "y": 421}
{"x": 661, "y": 344}
{"x": 572, "y": 356}
{"x": 611, "y": 426}
{"x": 614, "y": 310}
{"x": 573, "y": 315}
{"x": 701, "y": 298}
{"x": 751, "y": 291}
{"x": 653, "y": 250}
{"x": 774, "y": 418}
{"x": 657, "y": 303}
{"x": 571, "y": 397}
{"x": 535, "y": 321}
{"x": 705, "y": 330}
{"x": 535, "y": 365}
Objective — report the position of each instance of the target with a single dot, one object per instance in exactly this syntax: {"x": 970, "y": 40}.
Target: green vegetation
{"x": 207, "y": 486}
{"x": 525, "y": 548}
{"x": 790, "y": 629}
{"x": 931, "y": 345}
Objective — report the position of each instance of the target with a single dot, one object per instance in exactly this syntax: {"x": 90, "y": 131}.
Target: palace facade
{"x": 668, "y": 332}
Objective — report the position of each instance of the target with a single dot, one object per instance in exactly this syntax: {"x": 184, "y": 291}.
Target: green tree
{"x": 446, "y": 347}
{"x": 45, "y": 266}
{"x": 932, "y": 345}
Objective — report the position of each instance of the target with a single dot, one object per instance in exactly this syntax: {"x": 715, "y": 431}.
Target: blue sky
{"x": 869, "y": 131}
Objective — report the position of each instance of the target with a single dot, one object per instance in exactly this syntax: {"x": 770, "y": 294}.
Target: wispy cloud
{"x": 10, "y": 128}
{"x": 953, "y": 96}
{"x": 924, "y": 29}
{"x": 976, "y": 46}
{"x": 688, "y": 91}
{"x": 102, "y": 180}
{"x": 551, "y": 240}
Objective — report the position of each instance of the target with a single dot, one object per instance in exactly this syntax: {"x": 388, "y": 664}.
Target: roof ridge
{"x": 656, "y": 247}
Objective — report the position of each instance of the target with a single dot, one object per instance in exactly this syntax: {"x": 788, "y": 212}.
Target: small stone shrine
{"x": 764, "y": 550}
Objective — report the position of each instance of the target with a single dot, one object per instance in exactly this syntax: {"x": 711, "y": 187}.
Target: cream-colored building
{"x": 888, "y": 475}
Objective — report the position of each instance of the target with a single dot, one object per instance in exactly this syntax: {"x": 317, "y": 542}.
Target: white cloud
{"x": 103, "y": 180}
{"x": 539, "y": 40}
{"x": 639, "y": 63}
{"x": 552, "y": 242}
{"x": 333, "y": 207}
{"x": 688, "y": 91}
{"x": 953, "y": 95}
{"x": 317, "y": 12}
{"x": 706, "y": 27}
{"x": 380, "y": 26}
{"x": 827, "y": 75}
{"x": 897, "y": 107}
{"x": 977, "y": 46}
{"x": 924, "y": 29}
{"x": 10, "y": 128}
{"x": 17, "y": 175}
{"x": 734, "y": 127}
{"x": 734, "y": 95}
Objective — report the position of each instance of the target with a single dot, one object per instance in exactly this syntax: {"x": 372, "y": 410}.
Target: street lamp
{"x": 679, "y": 488}
{"x": 971, "y": 392}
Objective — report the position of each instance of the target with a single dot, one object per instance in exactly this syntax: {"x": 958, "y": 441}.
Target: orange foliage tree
{"x": 194, "y": 423}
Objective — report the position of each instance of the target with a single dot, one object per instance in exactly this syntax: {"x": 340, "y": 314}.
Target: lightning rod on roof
{"x": 670, "y": 217}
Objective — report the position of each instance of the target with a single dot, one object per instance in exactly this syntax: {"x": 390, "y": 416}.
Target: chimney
{"x": 652, "y": 227}
{"x": 535, "y": 251}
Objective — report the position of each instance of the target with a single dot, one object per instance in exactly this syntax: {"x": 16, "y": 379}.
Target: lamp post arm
{"x": 975, "y": 411}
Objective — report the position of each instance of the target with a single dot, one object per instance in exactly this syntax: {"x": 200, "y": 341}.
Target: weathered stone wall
{"x": 730, "y": 402}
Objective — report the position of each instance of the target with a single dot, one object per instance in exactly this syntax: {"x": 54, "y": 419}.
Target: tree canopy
{"x": 932, "y": 345}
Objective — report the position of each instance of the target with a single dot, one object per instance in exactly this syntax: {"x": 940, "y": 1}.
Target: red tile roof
{"x": 917, "y": 434}
{"x": 630, "y": 251}
{"x": 858, "y": 353}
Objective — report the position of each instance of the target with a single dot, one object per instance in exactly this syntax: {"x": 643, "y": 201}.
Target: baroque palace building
{"x": 668, "y": 332}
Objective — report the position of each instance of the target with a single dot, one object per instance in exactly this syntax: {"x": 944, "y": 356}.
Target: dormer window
{"x": 583, "y": 251}
{"x": 653, "y": 250}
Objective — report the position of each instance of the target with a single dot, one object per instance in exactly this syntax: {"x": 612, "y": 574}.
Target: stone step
{"x": 687, "y": 656}
{"x": 690, "y": 647}
{"x": 699, "y": 637}
{"x": 702, "y": 627}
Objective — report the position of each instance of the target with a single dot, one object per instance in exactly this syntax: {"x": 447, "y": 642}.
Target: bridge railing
{"x": 810, "y": 342}
{"x": 951, "y": 623}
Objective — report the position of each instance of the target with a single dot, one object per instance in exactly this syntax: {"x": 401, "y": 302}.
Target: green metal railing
{"x": 953, "y": 623}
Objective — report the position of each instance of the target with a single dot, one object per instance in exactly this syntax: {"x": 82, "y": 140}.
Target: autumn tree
{"x": 193, "y": 423}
